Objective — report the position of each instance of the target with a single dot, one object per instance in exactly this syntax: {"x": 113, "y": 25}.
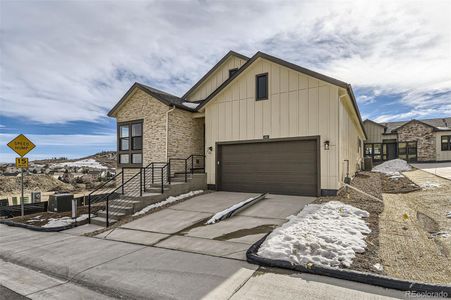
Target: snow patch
{"x": 191, "y": 104}
{"x": 378, "y": 267}
{"x": 430, "y": 185}
{"x": 326, "y": 234}
{"x": 167, "y": 201}
{"x": 64, "y": 221}
{"x": 87, "y": 163}
{"x": 392, "y": 167}
{"x": 222, "y": 213}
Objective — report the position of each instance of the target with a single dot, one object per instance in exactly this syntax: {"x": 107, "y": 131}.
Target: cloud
{"x": 79, "y": 140}
{"x": 65, "y": 61}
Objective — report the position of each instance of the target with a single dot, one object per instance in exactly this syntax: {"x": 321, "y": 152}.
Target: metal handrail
{"x": 97, "y": 189}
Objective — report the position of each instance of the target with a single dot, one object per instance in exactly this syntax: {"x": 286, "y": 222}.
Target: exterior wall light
{"x": 210, "y": 149}
{"x": 326, "y": 145}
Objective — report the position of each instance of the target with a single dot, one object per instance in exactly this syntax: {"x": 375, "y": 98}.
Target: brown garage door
{"x": 278, "y": 167}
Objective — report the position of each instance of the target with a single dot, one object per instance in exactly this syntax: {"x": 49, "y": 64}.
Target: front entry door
{"x": 391, "y": 151}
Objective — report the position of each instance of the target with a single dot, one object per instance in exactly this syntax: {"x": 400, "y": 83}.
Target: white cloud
{"x": 72, "y": 60}
{"x": 82, "y": 140}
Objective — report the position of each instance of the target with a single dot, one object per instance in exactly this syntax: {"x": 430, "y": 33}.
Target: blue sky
{"x": 64, "y": 64}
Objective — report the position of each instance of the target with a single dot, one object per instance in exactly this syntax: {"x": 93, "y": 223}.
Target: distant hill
{"x": 105, "y": 158}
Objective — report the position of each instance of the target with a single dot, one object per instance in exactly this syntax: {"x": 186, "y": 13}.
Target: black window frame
{"x": 447, "y": 143}
{"x": 232, "y": 72}
{"x": 131, "y": 150}
{"x": 264, "y": 97}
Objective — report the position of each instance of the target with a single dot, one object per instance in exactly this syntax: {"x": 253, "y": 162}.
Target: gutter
{"x": 167, "y": 129}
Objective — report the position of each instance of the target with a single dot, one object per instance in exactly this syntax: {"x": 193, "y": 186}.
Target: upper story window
{"x": 261, "y": 83}
{"x": 446, "y": 143}
{"x": 232, "y": 72}
{"x": 130, "y": 143}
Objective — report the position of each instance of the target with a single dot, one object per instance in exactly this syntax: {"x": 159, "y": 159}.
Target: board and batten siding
{"x": 216, "y": 79}
{"x": 442, "y": 155}
{"x": 350, "y": 138}
{"x": 298, "y": 105}
{"x": 374, "y": 132}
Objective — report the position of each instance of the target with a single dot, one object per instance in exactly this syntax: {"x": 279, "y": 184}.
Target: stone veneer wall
{"x": 186, "y": 134}
{"x": 153, "y": 113}
{"x": 424, "y": 135}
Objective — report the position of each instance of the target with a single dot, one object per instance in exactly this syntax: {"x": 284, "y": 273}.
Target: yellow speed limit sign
{"x": 22, "y": 162}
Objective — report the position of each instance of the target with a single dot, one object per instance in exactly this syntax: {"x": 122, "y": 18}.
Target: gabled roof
{"x": 375, "y": 123}
{"x": 162, "y": 96}
{"x": 438, "y": 124}
{"x": 212, "y": 70}
{"x": 295, "y": 68}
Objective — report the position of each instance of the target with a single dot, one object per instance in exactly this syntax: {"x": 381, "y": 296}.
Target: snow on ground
{"x": 167, "y": 201}
{"x": 428, "y": 185}
{"x": 64, "y": 221}
{"x": 326, "y": 234}
{"x": 378, "y": 267}
{"x": 222, "y": 213}
{"x": 87, "y": 163}
{"x": 392, "y": 167}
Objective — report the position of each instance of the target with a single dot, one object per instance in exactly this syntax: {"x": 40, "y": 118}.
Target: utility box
{"x": 60, "y": 202}
{"x": 368, "y": 163}
{"x": 35, "y": 197}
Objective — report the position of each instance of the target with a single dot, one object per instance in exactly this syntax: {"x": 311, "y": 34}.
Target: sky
{"x": 64, "y": 64}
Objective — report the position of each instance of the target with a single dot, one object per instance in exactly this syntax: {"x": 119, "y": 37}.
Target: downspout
{"x": 339, "y": 139}
{"x": 167, "y": 131}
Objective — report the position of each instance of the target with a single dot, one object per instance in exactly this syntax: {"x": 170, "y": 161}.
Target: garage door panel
{"x": 285, "y": 167}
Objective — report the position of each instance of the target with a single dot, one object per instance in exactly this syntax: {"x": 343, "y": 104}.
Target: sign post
{"x": 21, "y": 145}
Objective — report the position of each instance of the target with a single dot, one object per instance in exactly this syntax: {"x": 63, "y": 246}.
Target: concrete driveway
{"x": 182, "y": 226}
{"x": 442, "y": 169}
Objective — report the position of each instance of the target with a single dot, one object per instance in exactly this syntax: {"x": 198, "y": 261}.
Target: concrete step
{"x": 100, "y": 221}
{"x": 123, "y": 209}
{"x": 112, "y": 214}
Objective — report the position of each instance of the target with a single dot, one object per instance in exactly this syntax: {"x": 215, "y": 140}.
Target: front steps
{"x": 127, "y": 205}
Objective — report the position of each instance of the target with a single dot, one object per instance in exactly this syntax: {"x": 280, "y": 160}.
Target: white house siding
{"x": 374, "y": 132}
{"x": 349, "y": 136}
{"x": 216, "y": 79}
{"x": 298, "y": 105}
{"x": 442, "y": 155}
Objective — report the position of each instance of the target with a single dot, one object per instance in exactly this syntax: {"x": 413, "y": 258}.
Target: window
{"x": 446, "y": 143}
{"x": 232, "y": 72}
{"x": 130, "y": 143}
{"x": 261, "y": 87}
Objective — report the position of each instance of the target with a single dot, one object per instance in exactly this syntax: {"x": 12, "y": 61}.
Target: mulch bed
{"x": 370, "y": 183}
{"x": 45, "y": 216}
{"x": 398, "y": 185}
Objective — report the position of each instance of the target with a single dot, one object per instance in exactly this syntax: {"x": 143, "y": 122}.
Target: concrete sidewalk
{"x": 92, "y": 268}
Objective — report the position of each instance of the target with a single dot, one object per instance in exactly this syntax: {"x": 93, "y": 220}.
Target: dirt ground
{"x": 415, "y": 233}
{"x": 45, "y": 216}
{"x": 370, "y": 183}
{"x": 398, "y": 185}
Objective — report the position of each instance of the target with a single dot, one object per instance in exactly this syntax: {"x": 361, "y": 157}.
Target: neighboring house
{"x": 263, "y": 124}
{"x": 415, "y": 140}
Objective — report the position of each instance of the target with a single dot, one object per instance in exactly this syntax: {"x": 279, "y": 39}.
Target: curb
{"x": 37, "y": 228}
{"x": 357, "y": 276}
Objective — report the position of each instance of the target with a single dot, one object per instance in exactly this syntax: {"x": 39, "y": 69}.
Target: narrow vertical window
{"x": 261, "y": 92}
{"x": 130, "y": 143}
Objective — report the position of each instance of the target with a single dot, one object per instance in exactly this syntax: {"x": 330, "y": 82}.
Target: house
{"x": 262, "y": 123}
{"x": 415, "y": 140}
